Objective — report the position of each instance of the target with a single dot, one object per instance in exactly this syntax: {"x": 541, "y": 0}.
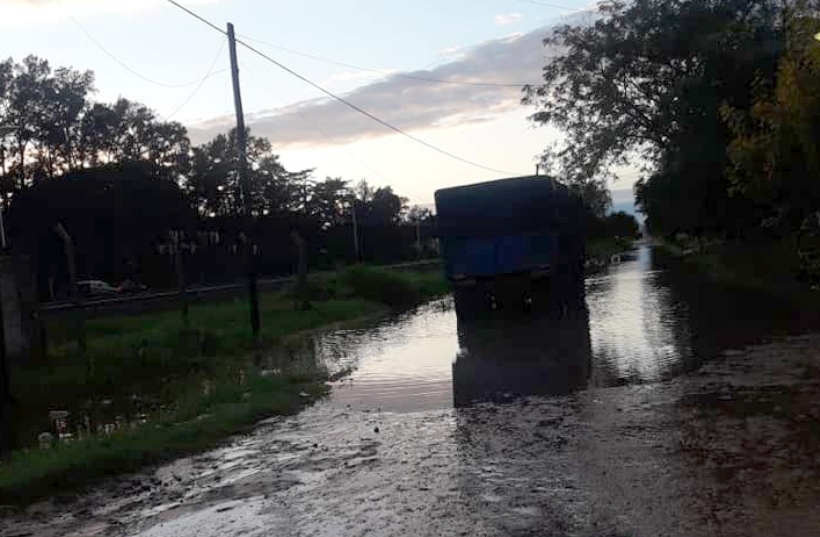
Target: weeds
{"x": 196, "y": 422}
{"x": 156, "y": 355}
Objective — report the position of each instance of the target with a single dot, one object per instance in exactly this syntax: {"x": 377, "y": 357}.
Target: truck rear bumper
{"x": 471, "y": 281}
{"x": 529, "y": 291}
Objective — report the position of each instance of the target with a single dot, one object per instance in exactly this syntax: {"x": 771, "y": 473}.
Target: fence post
{"x": 176, "y": 244}
{"x": 5, "y": 392}
{"x": 79, "y": 319}
{"x": 301, "y": 278}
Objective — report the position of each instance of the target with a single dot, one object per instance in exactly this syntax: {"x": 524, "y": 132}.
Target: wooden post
{"x": 418, "y": 237}
{"x": 301, "y": 302}
{"x": 71, "y": 262}
{"x": 244, "y": 180}
{"x": 355, "y": 233}
{"x": 181, "y": 284}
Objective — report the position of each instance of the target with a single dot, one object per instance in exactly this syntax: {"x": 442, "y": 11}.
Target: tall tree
{"x": 213, "y": 181}
{"x": 26, "y": 116}
{"x": 379, "y": 206}
{"x": 775, "y": 153}
{"x": 67, "y": 97}
{"x": 329, "y": 201}
{"x": 645, "y": 83}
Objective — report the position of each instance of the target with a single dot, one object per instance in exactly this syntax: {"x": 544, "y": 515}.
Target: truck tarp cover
{"x": 506, "y": 226}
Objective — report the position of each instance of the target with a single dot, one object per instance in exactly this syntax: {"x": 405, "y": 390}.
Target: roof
{"x": 500, "y": 183}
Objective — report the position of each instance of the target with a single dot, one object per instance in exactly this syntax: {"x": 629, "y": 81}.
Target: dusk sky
{"x": 480, "y": 41}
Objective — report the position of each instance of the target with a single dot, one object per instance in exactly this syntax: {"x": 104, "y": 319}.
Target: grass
{"x": 156, "y": 354}
{"x": 395, "y": 289}
{"x": 135, "y": 347}
{"x": 197, "y": 422}
{"x": 771, "y": 267}
{"x": 129, "y": 349}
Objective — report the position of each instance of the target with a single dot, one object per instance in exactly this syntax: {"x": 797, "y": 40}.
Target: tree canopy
{"x": 718, "y": 100}
{"x": 119, "y": 178}
{"x": 644, "y": 83}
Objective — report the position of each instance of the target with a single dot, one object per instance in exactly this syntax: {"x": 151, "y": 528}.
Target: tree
{"x": 68, "y": 94}
{"x": 329, "y": 201}
{"x": 117, "y": 176}
{"x": 51, "y": 127}
{"x": 378, "y": 207}
{"x": 214, "y": 186}
{"x": 645, "y": 83}
{"x": 41, "y": 111}
{"x": 386, "y": 207}
{"x": 418, "y": 214}
{"x": 25, "y": 116}
{"x": 621, "y": 224}
{"x": 116, "y": 214}
{"x": 774, "y": 156}
{"x": 130, "y": 132}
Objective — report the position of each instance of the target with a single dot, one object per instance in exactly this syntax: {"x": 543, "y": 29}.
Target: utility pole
{"x": 245, "y": 188}
{"x": 5, "y": 393}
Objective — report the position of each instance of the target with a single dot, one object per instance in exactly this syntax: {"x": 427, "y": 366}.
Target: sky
{"x": 151, "y": 52}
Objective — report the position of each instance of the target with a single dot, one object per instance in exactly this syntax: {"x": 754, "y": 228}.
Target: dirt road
{"x": 730, "y": 449}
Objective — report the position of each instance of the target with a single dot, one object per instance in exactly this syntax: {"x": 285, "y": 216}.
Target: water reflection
{"x": 400, "y": 365}
{"x": 647, "y": 319}
{"x": 638, "y": 329}
{"x": 502, "y": 359}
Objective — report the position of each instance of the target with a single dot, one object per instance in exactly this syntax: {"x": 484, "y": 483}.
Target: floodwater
{"x": 667, "y": 406}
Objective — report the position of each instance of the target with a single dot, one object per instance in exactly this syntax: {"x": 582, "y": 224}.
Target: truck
{"x": 511, "y": 244}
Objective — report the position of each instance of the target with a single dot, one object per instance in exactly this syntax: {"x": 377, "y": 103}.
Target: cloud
{"x": 451, "y": 54}
{"x": 348, "y": 79}
{"x": 407, "y": 103}
{"x": 507, "y": 18}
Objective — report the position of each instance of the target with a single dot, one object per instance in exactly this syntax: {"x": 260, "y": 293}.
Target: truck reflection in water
{"x": 505, "y": 358}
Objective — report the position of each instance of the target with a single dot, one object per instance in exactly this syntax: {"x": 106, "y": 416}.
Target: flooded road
{"x": 669, "y": 406}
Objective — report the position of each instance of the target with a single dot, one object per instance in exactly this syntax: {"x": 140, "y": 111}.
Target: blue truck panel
{"x": 511, "y": 226}
{"x": 507, "y": 254}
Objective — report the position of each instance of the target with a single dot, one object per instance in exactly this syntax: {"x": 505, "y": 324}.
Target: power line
{"x": 120, "y": 62}
{"x": 329, "y": 138}
{"x": 342, "y": 99}
{"x": 368, "y": 114}
{"x": 201, "y": 82}
{"x": 198, "y": 17}
{"x": 386, "y": 73}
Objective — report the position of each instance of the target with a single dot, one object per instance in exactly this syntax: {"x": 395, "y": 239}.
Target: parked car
{"x": 96, "y": 288}
{"x": 130, "y": 286}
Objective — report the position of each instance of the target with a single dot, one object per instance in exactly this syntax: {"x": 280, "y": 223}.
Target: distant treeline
{"x": 718, "y": 100}
{"x": 127, "y": 185}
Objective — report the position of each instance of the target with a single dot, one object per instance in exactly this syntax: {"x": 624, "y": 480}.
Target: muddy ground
{"x": 730, "y": 449}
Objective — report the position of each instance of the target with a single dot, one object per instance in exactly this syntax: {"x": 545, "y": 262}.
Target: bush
{"x": 393, "y": 289}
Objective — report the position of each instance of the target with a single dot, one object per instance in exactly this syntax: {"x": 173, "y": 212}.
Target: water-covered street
{"x": 669, "y": 406}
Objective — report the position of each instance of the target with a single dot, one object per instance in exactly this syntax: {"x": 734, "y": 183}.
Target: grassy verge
{"x": 196, "y": 422}
{"x": 124, "y": 351}
{"x": 156, "y": 355}
{"x": 771, "y": 268}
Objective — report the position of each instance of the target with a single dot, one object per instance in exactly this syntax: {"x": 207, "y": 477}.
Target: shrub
{"x": 391, "y": 288}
